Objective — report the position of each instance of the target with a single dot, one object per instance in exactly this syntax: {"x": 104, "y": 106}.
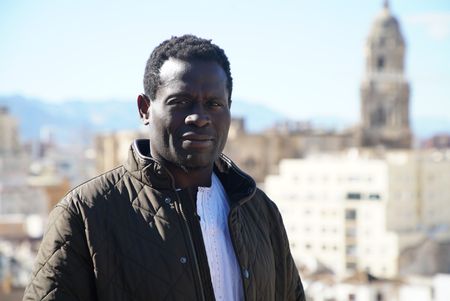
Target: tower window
{"x": 378, "y": 118}
{"x": 380, "y": 63}
{"x": 350, "y": 214}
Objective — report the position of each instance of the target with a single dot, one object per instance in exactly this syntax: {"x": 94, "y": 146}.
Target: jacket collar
{"x": 239, "y": 186}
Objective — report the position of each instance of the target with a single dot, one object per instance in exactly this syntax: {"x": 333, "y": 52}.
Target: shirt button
{"x": 183, "y": 260}
{"x": 245, "y": 273}
{"x": 167, "y": 200}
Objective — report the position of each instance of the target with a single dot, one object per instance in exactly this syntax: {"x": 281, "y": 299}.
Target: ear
{"x": 143, "y": 106}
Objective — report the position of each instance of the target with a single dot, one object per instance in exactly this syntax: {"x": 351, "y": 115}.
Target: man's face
{"x": 190, "y": 115}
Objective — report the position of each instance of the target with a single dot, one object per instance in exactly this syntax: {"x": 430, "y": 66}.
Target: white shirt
{"x": 212, "y": 207}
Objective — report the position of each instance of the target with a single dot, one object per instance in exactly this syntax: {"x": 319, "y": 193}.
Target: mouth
{"x": 198, "y": 141}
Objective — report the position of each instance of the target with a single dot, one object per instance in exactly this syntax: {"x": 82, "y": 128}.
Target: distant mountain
{"x": 69, "y": 120}
{"x": 76, "y": 120}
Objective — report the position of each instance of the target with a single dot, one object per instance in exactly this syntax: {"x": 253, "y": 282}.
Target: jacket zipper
{"x": 233, "y": 242}
{"x": 191, "y": 243}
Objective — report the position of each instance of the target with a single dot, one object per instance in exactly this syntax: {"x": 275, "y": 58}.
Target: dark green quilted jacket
{"x": 123, "y": 236}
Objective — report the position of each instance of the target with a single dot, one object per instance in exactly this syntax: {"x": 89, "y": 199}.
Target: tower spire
{"x": 385, "y": 90}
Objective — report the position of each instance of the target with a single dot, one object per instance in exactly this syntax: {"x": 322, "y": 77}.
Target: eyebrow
{"x": 183, "y": 93}
{"x": 178, "y": 94}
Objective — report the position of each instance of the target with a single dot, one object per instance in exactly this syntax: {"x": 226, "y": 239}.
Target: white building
{"x": 9, "y": 142}
{"x": 358, "y": 212}
{"x": 364, "y": 287}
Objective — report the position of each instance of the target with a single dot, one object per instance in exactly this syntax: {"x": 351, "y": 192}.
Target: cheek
{"x": 225, "y": 123}
{"x": 224, "y": 126}
{"x": 167, "y": 132}
{"x": 158, "y": 132}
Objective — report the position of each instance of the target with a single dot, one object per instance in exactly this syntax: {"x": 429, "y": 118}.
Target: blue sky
{"x": 302, "y": 58}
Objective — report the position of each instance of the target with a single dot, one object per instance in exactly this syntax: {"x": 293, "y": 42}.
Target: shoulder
{"x": 266, "y": 207}
{"x": 261, "y": 198}
{"x": 87, "y": 193}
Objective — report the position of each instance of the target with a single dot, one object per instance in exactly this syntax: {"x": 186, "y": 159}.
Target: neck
{"x": 185, "y": 177}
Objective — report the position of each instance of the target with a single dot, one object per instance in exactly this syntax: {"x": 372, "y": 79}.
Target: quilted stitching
{"x": 158, "y": 217}
{"x": 120, "y": 225}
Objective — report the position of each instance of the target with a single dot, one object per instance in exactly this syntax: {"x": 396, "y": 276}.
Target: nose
{"x": 198, "y": 119}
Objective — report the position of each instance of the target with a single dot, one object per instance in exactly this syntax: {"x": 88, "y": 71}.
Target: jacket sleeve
{"x": 289, "y": 286}
{"x": 63, "y": 269}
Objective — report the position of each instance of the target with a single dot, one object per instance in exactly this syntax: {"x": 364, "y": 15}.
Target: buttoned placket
{"x": 183, "y": 260}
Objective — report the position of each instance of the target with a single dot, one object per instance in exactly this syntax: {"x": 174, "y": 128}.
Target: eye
{"x": 214, "y": 103}
{"x": 178, "y": 101}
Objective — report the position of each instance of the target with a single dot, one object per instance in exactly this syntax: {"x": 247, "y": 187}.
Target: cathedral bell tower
{"x": 384, "y": 88}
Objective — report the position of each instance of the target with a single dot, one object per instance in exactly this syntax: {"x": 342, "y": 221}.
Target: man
{"x": 178, "y": 221}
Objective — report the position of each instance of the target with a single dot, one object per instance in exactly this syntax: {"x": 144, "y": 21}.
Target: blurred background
{"x": 341, "y": 114}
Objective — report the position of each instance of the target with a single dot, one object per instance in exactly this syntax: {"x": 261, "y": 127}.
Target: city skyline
{"x": 312, "y": 53}
{"x": 363, "y": 203}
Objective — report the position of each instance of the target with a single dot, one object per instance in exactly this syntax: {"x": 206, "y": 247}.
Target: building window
{"x": 350, "y": 214}
{"x": 350, "y": 250}
{"x": 374, "y": 196}
{"x": 353, "y": 196}
{"x": 380, "y": 63}
{"x": 380, "y": 297}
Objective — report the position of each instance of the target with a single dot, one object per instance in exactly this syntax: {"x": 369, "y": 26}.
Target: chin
{"x": 198, "y": 162}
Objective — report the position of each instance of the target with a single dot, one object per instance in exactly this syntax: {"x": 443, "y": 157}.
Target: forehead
{"x": 191, "y": 74}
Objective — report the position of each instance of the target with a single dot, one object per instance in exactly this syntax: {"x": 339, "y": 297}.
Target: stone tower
{"x": 384, "y": 88}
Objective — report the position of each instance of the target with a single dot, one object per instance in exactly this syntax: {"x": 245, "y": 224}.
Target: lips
{"x": 194, "y": 140}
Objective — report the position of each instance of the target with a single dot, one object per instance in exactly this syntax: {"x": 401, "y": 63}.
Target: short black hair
{"x": 186, "y": 47}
